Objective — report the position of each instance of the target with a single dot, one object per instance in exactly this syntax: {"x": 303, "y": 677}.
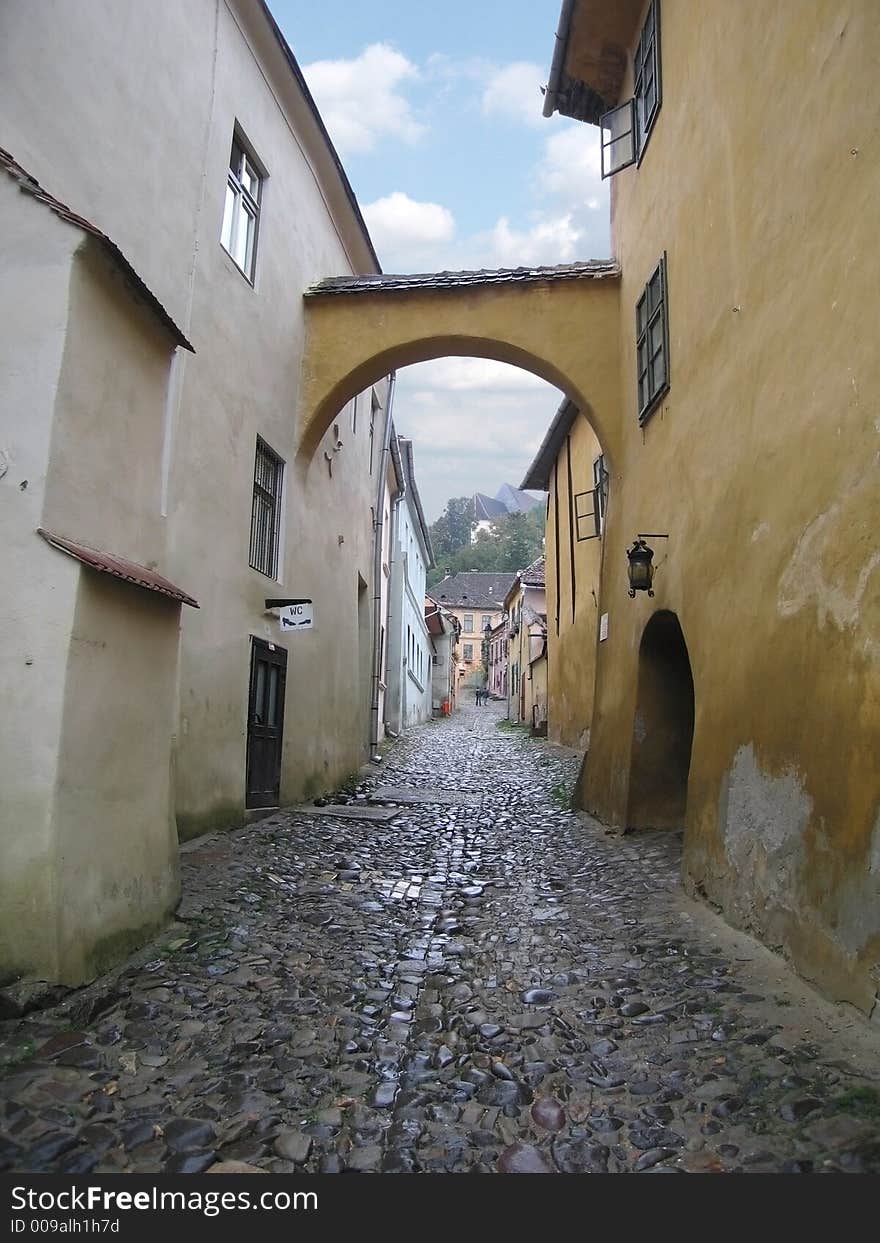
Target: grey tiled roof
{"x": 473, "y": 589}
{"x": 538, "y": 474}
{"x": 594, "y": 269}
{"x": 533, "y": 575}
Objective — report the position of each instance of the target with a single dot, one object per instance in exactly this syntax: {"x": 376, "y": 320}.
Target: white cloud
{"x": 475, "y": 423}
{"x": 404, "y": 228}
{"x": 550, "y": 240}
{"x": 570, "y": 169}
{"x": 456, "y": 375}
{"x": 361, "y": 99}
{"x": 514, "y": 91}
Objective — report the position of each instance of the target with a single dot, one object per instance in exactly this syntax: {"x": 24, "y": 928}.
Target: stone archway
{"x": 562, "y": 324}
{"x": 663, "y": 728}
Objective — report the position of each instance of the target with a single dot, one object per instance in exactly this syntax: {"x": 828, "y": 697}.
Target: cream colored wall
{"x": 760, "y": 181}
{"x": 387, "y": 494}
{"x": 85, "y": 369}
{"x": 36, "y": 614}
{"x": 104, "y": 477}
{"x": 572, "y": 618}
{"x": 116, "y": 874}
{"x": 145, "y": 154}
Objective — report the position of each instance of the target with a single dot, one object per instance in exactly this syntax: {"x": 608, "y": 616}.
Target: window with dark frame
{"x": 652, "y": 342}
{"x": 241, "y": 210}
{"x": 590, "y": 506}
{"x": 625, "y": 130}
{"x": 600, "y": 484}
{"x": 266, "y": 510}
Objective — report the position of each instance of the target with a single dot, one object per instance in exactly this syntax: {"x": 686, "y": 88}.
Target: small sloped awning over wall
{"x": 119, "y": 567}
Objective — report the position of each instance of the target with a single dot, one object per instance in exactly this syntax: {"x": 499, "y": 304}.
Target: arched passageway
{"x": 559, "y": 323}
{"x": 663, "y": 728}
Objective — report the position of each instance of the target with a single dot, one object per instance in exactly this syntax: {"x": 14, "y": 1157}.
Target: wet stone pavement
{"x": 482, "y": 982}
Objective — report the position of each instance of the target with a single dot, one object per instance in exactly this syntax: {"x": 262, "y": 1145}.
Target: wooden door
{"x": 265, "y": 723}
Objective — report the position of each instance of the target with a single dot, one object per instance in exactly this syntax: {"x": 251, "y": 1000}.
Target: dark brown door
{"x": 265, "y": 723}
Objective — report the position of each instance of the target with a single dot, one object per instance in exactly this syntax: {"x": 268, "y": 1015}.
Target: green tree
{"x": 511, "y": 543}
{"x": 452, "y": 530}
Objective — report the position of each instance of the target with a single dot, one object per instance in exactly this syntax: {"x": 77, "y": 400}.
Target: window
{"x": 266, "y": 510}
{"x": 485, "y": 620}
{"x": 652, "y": 337}
{"x": 600, "y": 486}
{"x": 625, "y": 130}
{"x": 469, "y": 623}
{"x": 241, "y": 212}
{"x": 468, "y": 651}
{"x": 375, "y": 407}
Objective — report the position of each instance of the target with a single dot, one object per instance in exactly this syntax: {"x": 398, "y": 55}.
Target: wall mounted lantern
{"x": 641, "y": 567}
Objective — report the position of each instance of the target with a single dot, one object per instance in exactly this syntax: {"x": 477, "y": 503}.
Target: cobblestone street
{"x": 471, "y": 979}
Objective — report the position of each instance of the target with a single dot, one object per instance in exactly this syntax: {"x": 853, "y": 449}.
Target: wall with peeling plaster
{"x": 572, "y": 617}
{"x": 763, "y": 466}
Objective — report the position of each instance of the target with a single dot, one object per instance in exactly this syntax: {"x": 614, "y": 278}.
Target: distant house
{"x": 443, "y": 631}
{"x": 525, "y": 606}
{"x": 497, "y": 671}
{"x": 476, "y": 598}
{"x": 409, "y": 665}
{"x": 507, "y": 500}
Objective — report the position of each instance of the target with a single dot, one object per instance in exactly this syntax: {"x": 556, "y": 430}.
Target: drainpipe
{"x": 556, "y": 67}
{"x": 395, "y": 558}
{"x": 378, "y": 526}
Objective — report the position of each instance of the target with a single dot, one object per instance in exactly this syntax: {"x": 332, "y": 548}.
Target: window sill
{"x": 411, "y": 675}
{"x": 653, "y": 406}
{"x": 231, "y": 263}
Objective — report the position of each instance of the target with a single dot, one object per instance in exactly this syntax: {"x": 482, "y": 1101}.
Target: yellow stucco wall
{"x": 470, "y": 672}
{"x": 761, "y": 182}
{"x": 572, "y": 576}
{"x": 562, "y": 330}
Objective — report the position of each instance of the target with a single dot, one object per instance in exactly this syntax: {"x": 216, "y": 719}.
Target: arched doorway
{"x": 663, "y": 728}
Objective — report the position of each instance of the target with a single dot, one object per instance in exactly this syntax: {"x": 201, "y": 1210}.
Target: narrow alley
{"x": 452, "y": 972}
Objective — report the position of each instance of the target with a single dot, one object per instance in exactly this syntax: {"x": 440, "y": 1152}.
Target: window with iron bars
{"x": 266, "y": 510}
{"x": 241, "y": 210}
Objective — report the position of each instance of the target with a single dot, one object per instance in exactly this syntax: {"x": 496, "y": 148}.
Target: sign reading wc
{"x": 299, "y": 616}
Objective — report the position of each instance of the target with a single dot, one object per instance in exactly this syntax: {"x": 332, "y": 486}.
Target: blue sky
{"x": 435, "y": 110}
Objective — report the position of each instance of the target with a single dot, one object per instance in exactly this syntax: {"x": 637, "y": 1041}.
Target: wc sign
{"x": 300, "y": 615}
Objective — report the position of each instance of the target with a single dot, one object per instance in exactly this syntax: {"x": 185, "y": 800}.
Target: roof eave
{"x": 538, "y": 474}
{"x": 313, "y": 107}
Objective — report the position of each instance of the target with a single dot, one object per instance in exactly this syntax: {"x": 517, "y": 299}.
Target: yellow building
{"x": 476, "y": 599}
{"x": 526, "y": 608}
{"x": 570, "y": 468}
{"x": 741, "y": 699}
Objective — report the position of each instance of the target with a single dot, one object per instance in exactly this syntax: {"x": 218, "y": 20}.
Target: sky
{"x": 436, "y": 113}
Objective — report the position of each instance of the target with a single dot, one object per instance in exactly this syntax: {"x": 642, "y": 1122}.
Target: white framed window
{"x": 241, "y": 210}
